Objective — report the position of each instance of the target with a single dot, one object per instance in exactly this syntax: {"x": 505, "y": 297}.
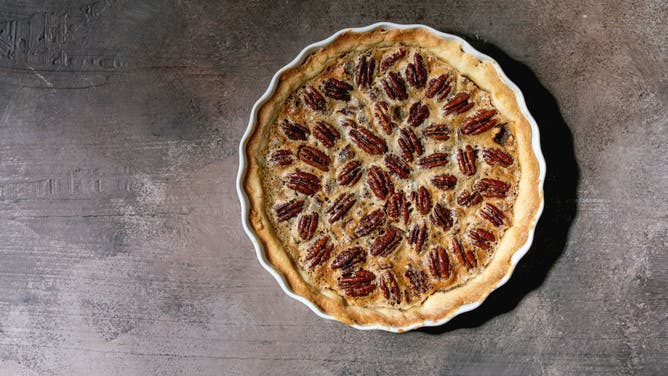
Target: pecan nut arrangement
{"x": 391, "y": 178}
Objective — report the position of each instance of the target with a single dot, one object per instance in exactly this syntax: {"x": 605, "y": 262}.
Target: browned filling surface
{"x": 389, "y": 176}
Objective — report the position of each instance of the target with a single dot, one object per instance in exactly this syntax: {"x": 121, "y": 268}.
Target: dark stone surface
{"x": 121, "y": 249}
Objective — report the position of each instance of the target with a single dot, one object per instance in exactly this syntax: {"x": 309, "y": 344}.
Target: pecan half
{"x": 304, "y": 182}
{"x": 492, "y": 187}
{"x": 395, "y": 87}
{"x": 364, "y": 74}
{"x": 416, "y": 72}
{"x": 493, "y": 214}
{"x": 423, "y": 200}
{"x": 370, "y": 222}
{"x": 389, "y": 286}
{"x": 337, "y": 89}
{"x": 441, "y": 216}
{"x": 319, "y": 252}
{"x": 465, "y": 256}
{"x": 418, "y": 278}
{"x": 314, "y": 99}
{"x": 480, "y": 128}
{"x": 307, "y": 225}
{"x": 479, "y": 123}
{"x": 459, "y": 104}
{"x": 350, "y": 173}
{"x": 417, "y": 114}
{"x": 379, "y": 182}
{"x": 397, "y": 166}
{"x": 466, "y": 160}
{"x": 359, "y": 283}
{"x": 438, "y": 85}
{"x": 469, "y": 199}
{"x": 439, "y": 132}
{"x": 444, "y": 182}
{"x": 340, "y": 206}
{"x": 386, "y": 243}
{"x": 417, "y": 235}
{"x": 295, "y": 131}
{"x": 289, "y": 209}
{"x": 326, "y": 133}
{"x": 390, "y": 60}
{"x": 368, "y": 141}
{"x": 439, "y": 265}
{"x": 481, "y": 238}
{"x": 434, "y": 160}
{"x": 382, "y": 116}
{"x": 397, "y": 207}
{"x": 409, "y": 144}
{"x": 314, "y": 157}
{"x": 348, "y": 258}
{"x": 282, "y": 157}
{"x": 497, "y": 156}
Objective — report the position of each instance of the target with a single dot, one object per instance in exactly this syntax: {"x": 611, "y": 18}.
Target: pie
{"x": 391, "y": 178}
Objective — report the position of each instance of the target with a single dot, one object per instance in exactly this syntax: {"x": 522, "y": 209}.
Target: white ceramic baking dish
{"x": 245, "y": 206}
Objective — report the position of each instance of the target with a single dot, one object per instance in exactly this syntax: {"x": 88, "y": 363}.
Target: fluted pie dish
{"x": 391, "y": 177}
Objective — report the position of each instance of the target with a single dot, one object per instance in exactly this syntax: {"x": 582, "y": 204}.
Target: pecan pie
{"x": 391, "y": 178}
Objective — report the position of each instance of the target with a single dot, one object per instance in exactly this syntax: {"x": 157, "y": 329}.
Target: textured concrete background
{"x": 121, "y": 250}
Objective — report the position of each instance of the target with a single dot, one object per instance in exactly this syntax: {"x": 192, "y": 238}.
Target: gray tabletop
{"x": 121, "y": 248}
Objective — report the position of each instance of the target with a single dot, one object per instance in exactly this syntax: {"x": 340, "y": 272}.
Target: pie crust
{"x": 341, "y": 159}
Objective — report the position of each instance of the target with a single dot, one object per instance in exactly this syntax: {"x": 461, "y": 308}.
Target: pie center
{"x": 389, "y": 176}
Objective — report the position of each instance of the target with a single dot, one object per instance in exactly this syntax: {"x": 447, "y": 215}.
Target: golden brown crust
{"x": 441, "y": 304}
